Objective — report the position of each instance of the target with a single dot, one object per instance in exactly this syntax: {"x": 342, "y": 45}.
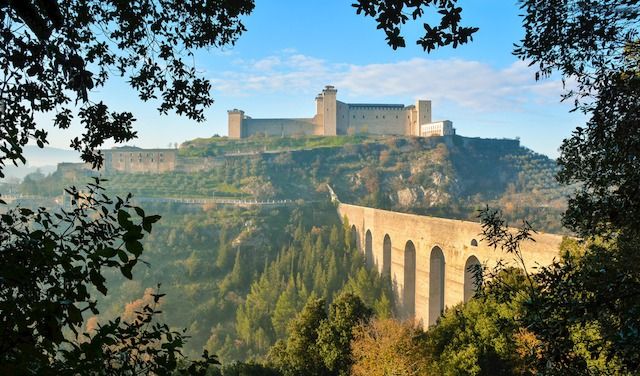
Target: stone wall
{"x": 376, "y": 119}
{"x": 278, "y": 127}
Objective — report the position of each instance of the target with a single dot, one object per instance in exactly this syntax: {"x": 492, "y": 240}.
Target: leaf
{"x": 123, "y": 256}
{"x": 148, "y": 221}
{"x": 107, "y": 252}
{"x": 135, "y": 247}
{"x": 123, "y": 218}
{"x": 126, "y": 270}
{"x": 139, "y": 211}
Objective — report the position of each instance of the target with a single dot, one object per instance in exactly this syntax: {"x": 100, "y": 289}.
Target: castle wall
{"x": 423, "y": 116}
{"x": 342, "y": 118}
{"x": 438, "y": 128}
{"x": 278, "y": 127}
{"x": 378, "y": 119}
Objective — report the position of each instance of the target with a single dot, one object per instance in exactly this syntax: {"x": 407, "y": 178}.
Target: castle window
{"x": 396, "y": 116}
{"x": 363, "y": 116}
{"x": 383, "y": 116}
{"x": 354, "y": 116}
{"x": 376, "y": 116}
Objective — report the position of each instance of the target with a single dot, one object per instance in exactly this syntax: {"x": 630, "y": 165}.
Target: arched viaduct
{"x": 428, "y": 258}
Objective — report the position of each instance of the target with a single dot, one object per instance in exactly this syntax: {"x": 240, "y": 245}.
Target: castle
{"x": 337, "y": 118}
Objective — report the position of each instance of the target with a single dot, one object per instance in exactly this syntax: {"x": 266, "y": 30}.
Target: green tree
{"x": 389, "y": 347}
{"x": 49, "y": 262}
{"x": 286, "y": 307}
{"x": 335, "y": 334}
{"x": 299, "y": 353}
{"x": 594, "y": 44}
{"x": 483, "y": 336}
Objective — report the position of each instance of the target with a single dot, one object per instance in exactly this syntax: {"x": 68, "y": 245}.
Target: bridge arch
{"x": 436, "y": 284}
{"x": 470, "y": 274}
{"x": 386, "y": 255}
{"x": 354, "y": 237}
{"x": 368, "y": 248}
{"x": 409, "y": 285}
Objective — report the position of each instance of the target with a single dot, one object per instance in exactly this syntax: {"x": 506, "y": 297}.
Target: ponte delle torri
{"x": 428, "y": 258}
{"x": 337, "y": 118}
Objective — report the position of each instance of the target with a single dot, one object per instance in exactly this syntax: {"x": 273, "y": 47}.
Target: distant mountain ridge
{"x": 44, "y": 160}
{"x": 48, "y": 156}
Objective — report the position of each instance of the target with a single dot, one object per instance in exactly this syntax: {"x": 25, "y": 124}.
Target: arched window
{"x": 368, "y": 248}
{"x": 386, "y": 255}
{"x": 436, "y": 284}
{"x": 409, "y": 288}
{"x": 354, "y": 237}
{"x": 474, "y": 243}
{"x": 472, "y": 277}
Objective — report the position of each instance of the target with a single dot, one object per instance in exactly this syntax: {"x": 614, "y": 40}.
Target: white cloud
{"x": 267, "y": 64}
{"x": 468, "y": 84}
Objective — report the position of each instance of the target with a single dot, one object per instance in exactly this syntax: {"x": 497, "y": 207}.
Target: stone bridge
{"x": 428, "y": 258}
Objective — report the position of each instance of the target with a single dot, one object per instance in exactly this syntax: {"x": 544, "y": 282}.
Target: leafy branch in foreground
{"x": 137, "y": 347}
{"x": 54, "y": 53}
{"x": 49, "y": 263}
{"x": 391, "y": 15}
{"x": 497, "y": 233}
{"x": 583, "y": 309}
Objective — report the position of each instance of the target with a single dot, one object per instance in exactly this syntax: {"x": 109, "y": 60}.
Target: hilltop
{"x": 449, "y": 176}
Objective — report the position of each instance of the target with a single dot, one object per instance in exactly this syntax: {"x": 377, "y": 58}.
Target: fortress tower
{"x": 329, "y": 104}
{"x": 236, "y": 118}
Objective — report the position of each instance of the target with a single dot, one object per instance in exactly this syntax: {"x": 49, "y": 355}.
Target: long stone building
{"x": 334, "y": 117}
{"x": 134, "y": 159}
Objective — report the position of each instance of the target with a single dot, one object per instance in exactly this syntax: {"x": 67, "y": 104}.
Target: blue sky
{"x": 291, "y": 49}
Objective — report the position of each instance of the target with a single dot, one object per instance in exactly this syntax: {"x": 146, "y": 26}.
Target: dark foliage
{"x": 391, "y": 15}
{"x": 50, "y": 262}
{"x": 594, "y": 44}
{"x": 53, "y": 53}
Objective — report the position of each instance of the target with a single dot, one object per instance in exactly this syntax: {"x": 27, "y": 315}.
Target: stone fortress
{"x": 338, "y": 118}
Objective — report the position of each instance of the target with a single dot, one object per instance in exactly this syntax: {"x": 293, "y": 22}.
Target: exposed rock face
{"x": 407, "y": 197}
